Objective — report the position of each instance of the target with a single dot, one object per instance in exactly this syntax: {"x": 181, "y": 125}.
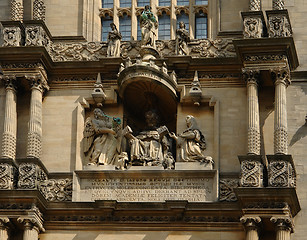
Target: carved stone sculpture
{"x": 253, "y": 27}
{"x": 11, "y": 36}
{"x": 114, "y": 38}
{"x": 279, "y": 25}
{"x": 150, "y": 147}
{"x": 182, "y": 39}
{"x": 191, "y": 143}
{"x": 100, "y": 139}
{"x": 148, "y": 24}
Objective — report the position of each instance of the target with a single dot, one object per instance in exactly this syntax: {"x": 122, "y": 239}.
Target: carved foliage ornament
{"x": 57, "y": 190}
{"x": 250, "y": 222}
{"x": 283, "y": 223}
{"x": 253, "y": 27}
{"x": 30, "y": 175}
{"x": 251, "y": 173}
{"x": 280, "y": 75}
{"x": 226, "y": 189}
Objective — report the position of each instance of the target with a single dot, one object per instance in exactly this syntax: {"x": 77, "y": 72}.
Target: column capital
{"x": 281, "y": 75}
{"x": 10, "y": 81}
{"x": 251, "y": 222}
{"x": 33, "y": 221}
{"x": 3, "y": 222}
{"x": 251, "y": 75}
{"x": 284, "y": 223}
{"x": 37, "y": 82}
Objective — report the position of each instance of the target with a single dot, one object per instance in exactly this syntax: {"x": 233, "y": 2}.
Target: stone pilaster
{"x": 10, "y": 119}
{"x": 251, "y": 225}
{"x": 4, "y": 229}
{"x": 253, "y": 128}
{"x": 39, "y": 10}
{"x": 16, "y": 10}
{"x": 283, "y": 227}
{"x": 254, "y": 5}
{"x": 281, "y": 79}
{"x": 38, "y": 85}
{"x": 251, "y": 174}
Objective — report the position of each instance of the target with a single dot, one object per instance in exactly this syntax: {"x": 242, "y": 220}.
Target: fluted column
{"x": 283, "y": 227}
{"x": 254, "y": 5}
{"x": 17, "y": 10}
{"x": 4, "y": 230}
{"x": 281, "y": 78}
{"x": 30, "y": 232}
{"x": 253, "y": 127}
{"x": 278, "y": 4}
{"x": 10, "y": 119}
{"x": 34, "y": 147}
{"x": 251, "y": 224}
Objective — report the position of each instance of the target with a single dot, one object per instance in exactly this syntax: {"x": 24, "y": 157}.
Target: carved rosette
{"x": 254, "y": 5}
{"x": 282, "y": 79}
{"x": 226, "y": 189}
{"x": 279, "y": 24}
{"x": 281, "y": 174}
{"x": 12, "y": 37}
{"x": 37, "y": 36}
{"x": 57, "y": 190}
{"x": 16, "y": 10}
{"x": 251, "y": 174}
{"x": 30, "y": 175}
{"x": 7, "y": 176}
{"x": 39, "y": 10}
{"x": 283, "y": 226}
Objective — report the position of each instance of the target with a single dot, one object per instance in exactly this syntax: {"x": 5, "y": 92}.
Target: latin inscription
{"x": 147, "y": 189}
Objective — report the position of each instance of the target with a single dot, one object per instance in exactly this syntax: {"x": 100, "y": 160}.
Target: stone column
{"x": 253, "y": 127}
{"x": 251, "y": 224}
{"x": 283, "y": 227}
{"x": 4, "y": 230}
{"x": 282, "y": 80}
{"x": 254, "y": 5}
{"x": 34, "y": 147}
{"x": 10, "y": 119}
{"x": 278, "y": 4}
{"x": 17, "y": 10}
{"x": 39, "y": 10}
{"x": 30, "y": 231}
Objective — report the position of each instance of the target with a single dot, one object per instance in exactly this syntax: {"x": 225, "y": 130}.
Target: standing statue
{"x": 114, "y": 38}
{"x": 148, "y": 24}
{"x": 150, "y": 147}
{"x": 191, "y": 143}
{"x": 100, "y": 139}
{"x": 182, "y": 39}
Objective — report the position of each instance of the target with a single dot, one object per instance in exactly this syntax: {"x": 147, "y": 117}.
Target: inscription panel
{"x": 151, "y": 189}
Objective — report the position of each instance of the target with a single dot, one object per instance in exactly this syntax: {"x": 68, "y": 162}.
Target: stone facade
{"x": 149, "y": 141}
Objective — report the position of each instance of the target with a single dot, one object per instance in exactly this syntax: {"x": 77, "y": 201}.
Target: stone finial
{"x": 98, "y": 94}
{"x": 195, "y": 90}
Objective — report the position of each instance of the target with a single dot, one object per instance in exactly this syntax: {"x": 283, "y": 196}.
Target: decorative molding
{"x": 281, "y": 75}
{"x": 104, "y": 12}
{"x": 37, "y": 36}
{"x": 279, "y": 24}
{"x": 138, "y": 11}
{"x": 250, "y": 222}
{"x": 30, "y": 175}
{"x": 165, "y": 9}
{"x": 226, "y": 189}
{"x": 202, "y": 8}
{"x": 57, "y": 190}
{"x": 122, "y": 11}
{"x": 12, "y": 37}
{"x": 253, "y": 27}
{"x": 38, "y": 82}
{"x": 213, "y": 48}
{"x": 39, "y": 10}
{"x": 8, "y": 176}
{"x": 179, "y": 9}
{"x": 265, "y": 58}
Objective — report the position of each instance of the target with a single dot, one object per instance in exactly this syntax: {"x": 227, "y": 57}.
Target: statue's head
{"x": 191, "y": 122}
{"x": 181, "y": 24}
{"x": 98, "y": 113}
{"x": 147, "y": 7}
{"x": 113, "y": 26}
{"x": 151, "y": 118}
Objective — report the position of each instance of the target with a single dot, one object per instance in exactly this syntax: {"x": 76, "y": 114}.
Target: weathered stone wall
{"x": 5, "y": 13}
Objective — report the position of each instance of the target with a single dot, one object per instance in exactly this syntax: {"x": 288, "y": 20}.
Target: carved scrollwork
{"x": 36, "y": 36}
{"x": 122, "y": 11}
{"x": 253, "y": 27}
{"x": 251, "y": 174}
{"x": 283, "y": 223}
{"x": 226, "y": 189}
{"x": 11, "y": 36}
{"x": 7, "y": 176}
{"x": 281, "y": 174}
{"x": 213, "y": 48}
{"x": 57, "y": 190}
{"x": 30, "y": 175}
{"x": 250, "y": 222}
{"x": 104, "y": 12}
{"x": 162, "y": 9}
{"x": 279, "y": 26}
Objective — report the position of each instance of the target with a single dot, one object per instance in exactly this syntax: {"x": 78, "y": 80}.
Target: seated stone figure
{"x": 100, "y": 138}
{"x": 149, "y": 147}
{"x": 191, "y": 143}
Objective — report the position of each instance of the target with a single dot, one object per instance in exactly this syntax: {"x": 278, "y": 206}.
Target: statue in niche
{"x": 151, "y": 146}
{"x": 182, "y": 39}
{"x": 114, "y": 38}
{"x": 148, "y": 24}
{"x": 101, "y": 139}
{"x": 191, "y": 143}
